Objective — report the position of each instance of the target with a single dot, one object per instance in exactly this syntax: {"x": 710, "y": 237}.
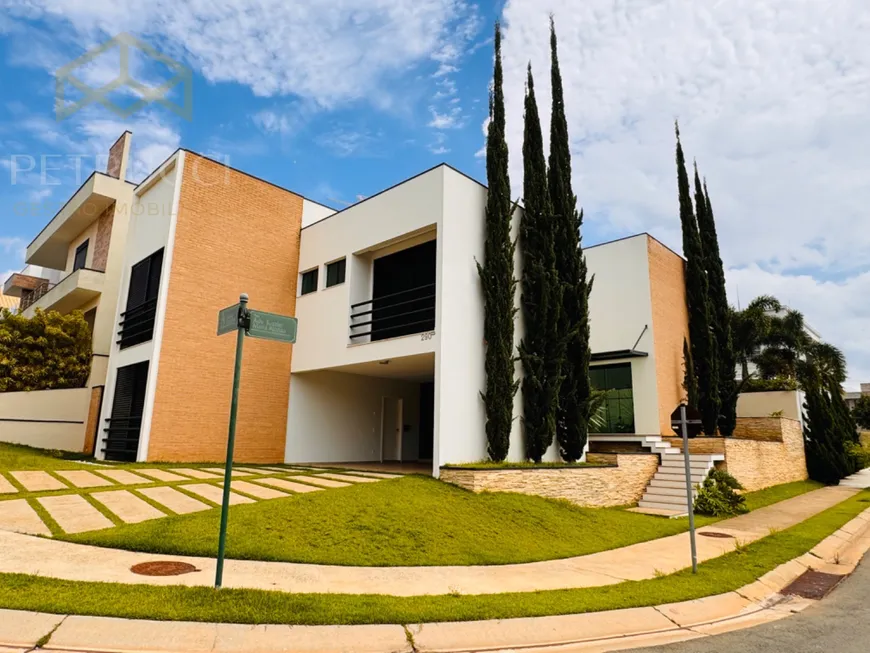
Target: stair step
{"x": 678, "y": 461}
{"x": 667, "y": 476}
{"x": 659, "y": 506}
{"x": 666, "y": 498}
{"x": 667, "y": 491}
{"x": 681, "y": 484}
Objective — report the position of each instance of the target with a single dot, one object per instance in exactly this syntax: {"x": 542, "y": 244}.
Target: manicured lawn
{"x": 16, "y": 457}
{"x": 409, "y": 521}
{"x": 722, "y": 574}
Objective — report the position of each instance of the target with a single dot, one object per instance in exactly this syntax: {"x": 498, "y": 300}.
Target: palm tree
{"x": 750, "y": 328}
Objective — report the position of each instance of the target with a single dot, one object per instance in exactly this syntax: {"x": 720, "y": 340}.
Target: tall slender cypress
{"x": 697, "y": 298}
{"x": 541, "y": 351}
{"x": 575, "y": 394}
{"x": 690, "y": 381}
{"x": 497, "y": 276}
{"x": 720, "y": 313}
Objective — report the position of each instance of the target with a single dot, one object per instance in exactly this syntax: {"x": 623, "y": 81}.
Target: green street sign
{"x": 228, "y": 319}
{"x": 271, "y": 326}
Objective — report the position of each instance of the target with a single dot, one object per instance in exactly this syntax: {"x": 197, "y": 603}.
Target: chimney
{"x": 118, "y": 154}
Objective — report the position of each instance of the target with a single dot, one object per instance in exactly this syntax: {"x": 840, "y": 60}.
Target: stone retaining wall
{"x": 621, "y": 483}
{"x": 766, "y": 451}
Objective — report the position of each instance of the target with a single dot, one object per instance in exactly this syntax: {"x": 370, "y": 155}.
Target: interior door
{"x": 391, "y": 429}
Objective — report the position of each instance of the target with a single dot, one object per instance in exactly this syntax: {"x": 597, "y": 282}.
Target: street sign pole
{"x": 690, "y": 501}
{"x": 231, "y": 439}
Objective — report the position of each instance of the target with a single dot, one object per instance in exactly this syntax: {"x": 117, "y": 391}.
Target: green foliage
{"x": 769, "y": 385}
{"x": 718, "y": 495}
{"x": 859, "y": 453}
{"x": 542, "y": 350}
{"x": 828, "y": 429}
{"x": 861, "y": 412}
{"x": 690, "y": 381}
{"x": 497, "y": 276}
{"x": 47, "y": 351}
{"x": 576, "y": 404}
{"x": 701, "y": 336}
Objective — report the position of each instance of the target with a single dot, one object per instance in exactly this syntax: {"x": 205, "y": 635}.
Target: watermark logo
{"x": 183, "y": 76}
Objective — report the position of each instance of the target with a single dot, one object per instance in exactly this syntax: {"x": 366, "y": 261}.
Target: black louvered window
{"x": 128, "y": 405}
{"x": 137, "y": 321}
{"x": 81, "y": 256}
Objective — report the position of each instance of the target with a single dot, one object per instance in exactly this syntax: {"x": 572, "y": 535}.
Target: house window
{"x": 81, "y": 256}
{"x": 335, "y": 273}
{"x": 309, "y": 281}
{"x": 137, "y": 322}
{"x": 618, "y": 412}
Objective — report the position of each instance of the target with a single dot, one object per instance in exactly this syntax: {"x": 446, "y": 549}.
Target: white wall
{"x": 151, "y": 226}
{"x": 48, "y": 419}
{"x": 313, "y": 212}
{"x": 336, "y": 416}
{"x": 620, "y": 306}
{"x": 762, "y": 404}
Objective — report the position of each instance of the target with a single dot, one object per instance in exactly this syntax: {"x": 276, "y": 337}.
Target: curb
{"x": 754, "y": 604}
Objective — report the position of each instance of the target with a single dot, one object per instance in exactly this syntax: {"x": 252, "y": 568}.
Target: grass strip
{"x": 723, "y": 574}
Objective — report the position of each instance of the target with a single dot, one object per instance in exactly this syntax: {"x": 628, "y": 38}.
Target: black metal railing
{"x": 397, "y": 314}
{"x": 122, "y": 438}
{"x": 137, "y": 324}
{"x": 35, "y": 295}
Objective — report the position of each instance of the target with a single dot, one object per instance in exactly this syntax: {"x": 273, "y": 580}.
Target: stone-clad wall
{"x": 766, "y": 451}
{"x": 615, "y": 485}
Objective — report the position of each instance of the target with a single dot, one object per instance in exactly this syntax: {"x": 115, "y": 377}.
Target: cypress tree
{"x": 826, "y": 432}
{"x": 540, "y": 350}
{"x": 690, "y": 381}
{"x": 697, "y": 298}
{"x": 497, "y": 276}
{"x": 576, "y": 401}
{"x": 720, "y": 313}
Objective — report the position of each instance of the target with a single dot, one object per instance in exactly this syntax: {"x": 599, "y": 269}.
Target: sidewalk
{"x": 755, "y": 604}
{"x": 51, "y": 558}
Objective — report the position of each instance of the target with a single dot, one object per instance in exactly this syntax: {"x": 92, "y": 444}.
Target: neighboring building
{"x": 389, "y": 361}
{"x": 75, "y": 261}
{"x": 852, "y": 398}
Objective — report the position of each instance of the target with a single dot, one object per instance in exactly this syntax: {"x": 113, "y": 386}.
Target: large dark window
{"x": 128, "y": 405}
{"x": 618, "y": 412}
{"x": 309, "y": 281}
{"x": 335, "y": 273}
{"x": 137, "y": 322}
{"x": 403, "y": 292}
{"x": 81, "y": 256}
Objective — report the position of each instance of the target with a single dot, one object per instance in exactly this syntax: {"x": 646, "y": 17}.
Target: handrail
{"x": 385, "y": 314}
{"x": 43, "y": 289}
{"x": 394, "y": 294}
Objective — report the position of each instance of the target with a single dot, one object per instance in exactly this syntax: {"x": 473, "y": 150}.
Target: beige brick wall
{"x": 775, "y": 454}
{"x": 103, "y": 238}
{"x": 699, "y": 445}
{"x": 115, "y": 166}
{"x": 586, "y": 486}
{"x": 670, "y": 326}
{"x": 234, "y": 234}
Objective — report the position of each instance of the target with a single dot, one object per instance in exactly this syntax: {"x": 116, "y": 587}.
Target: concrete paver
{"x": 74, "y": 514}
{"x": 289, "y": 485}
{"x": 6, "y": 487}
{"x": 20, "y": 628}
{"x": 256, "y": 490}
{"x": 176, "y": 501}
{"x": 82, "y": 478}
{"x": 124, "y": 477}
{"x": 196, "y": 473}
{"x": 161, "y": 475}
{"x": 261, "y": 471}
{"x": 322, "y": 482}
{"x": 38, "y": 481}
{"x": 127, "y": 506}
{"x": 376, "y": 474}
{"x": 215, "y": 494}
{"x": 17, "y": 515}
{"x": 220, "y": 471}
{"x": 347, "y": 478}
{"x": 702, "y": 611}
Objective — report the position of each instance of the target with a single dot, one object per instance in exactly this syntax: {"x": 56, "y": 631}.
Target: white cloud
{"x": 452, "y": 119}
{"x": 348, "y": 142}
{"x": 329, "y": 51}
{"x": 771, "y": 98}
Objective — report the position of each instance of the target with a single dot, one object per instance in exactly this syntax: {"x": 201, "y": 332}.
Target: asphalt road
{"x": 840, "y": 623}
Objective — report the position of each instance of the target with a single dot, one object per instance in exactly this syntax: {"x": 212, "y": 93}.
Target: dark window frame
{"x": 81, "y": 251}
{"x": 137, "y": 320}
{"x": 340, "y": 276}
{"x": 313, "y": 273}
{"x": 619, "y": 401}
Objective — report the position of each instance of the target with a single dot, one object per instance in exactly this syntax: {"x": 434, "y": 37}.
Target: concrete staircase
{"x": 666, "y": 492}
{"x": 652, "y": 442}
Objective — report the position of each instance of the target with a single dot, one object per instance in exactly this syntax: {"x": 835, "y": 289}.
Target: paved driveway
{"x": 839, "y": 624}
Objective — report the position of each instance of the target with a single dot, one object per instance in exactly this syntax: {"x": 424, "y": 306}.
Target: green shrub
{"x": 860, "y": 453}
{"x": 47, "y": 351}
{"x": 769, "y": 385}
{"x": 718, "y": 495}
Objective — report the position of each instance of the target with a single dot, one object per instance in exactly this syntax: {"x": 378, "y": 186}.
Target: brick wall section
{"x": 699, "y": 445}
{"x": 765, "y": 429}
{"x": 773, "y": 455}
{"x": 586, "y": 486}
{"x": 116, "y": 156}
{"x": 235, "y": 234}
{"x": 670, "y": 326}
{"x": 92, "y": 422}
{"x": 104, "y": 236}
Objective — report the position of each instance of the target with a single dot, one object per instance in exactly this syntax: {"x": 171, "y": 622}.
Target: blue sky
{"x": 338, "y": 99}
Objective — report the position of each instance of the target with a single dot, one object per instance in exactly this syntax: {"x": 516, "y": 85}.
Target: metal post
{"x": 690, "y": 500}
{"x": 231, "y": 439}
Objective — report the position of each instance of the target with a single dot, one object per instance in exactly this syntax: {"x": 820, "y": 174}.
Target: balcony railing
{"x": 35, "y": 295}
{"x": 397, "y": 314}
{"x": 122, "y": 438}
{"x": 137, "y": 324}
